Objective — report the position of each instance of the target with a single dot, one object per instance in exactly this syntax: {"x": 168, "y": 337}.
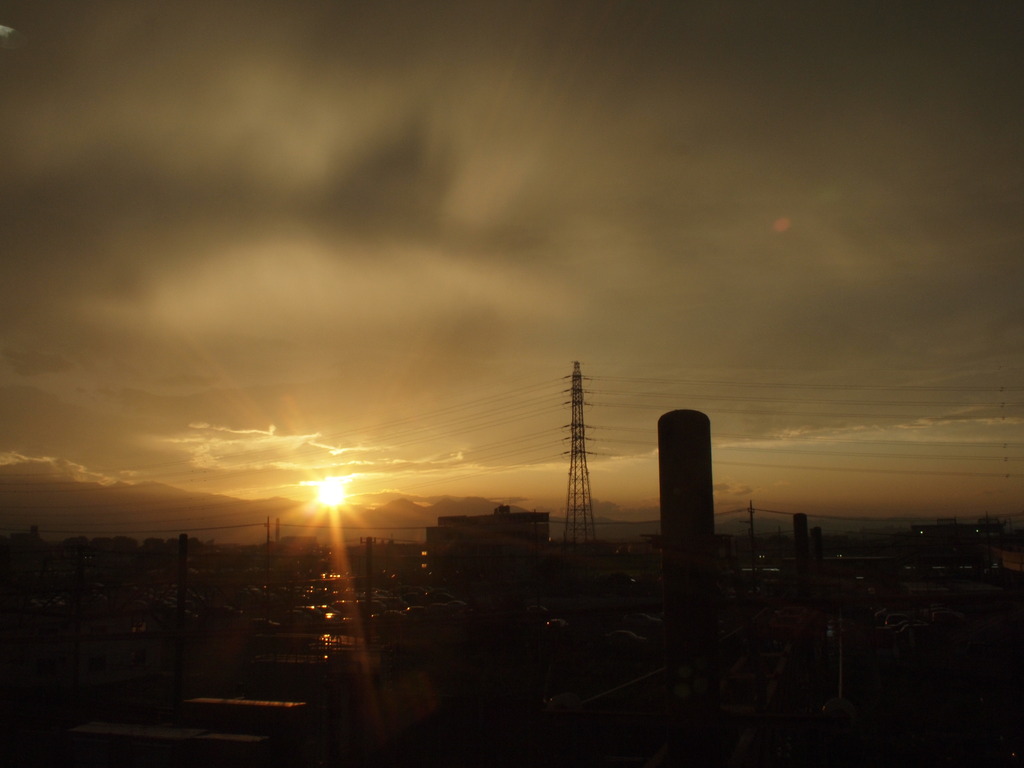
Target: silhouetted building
{"x": 48, "y": 650}
{"x": 953, "y": 531}
{"x": 297, "y": 545}
{"x": 501, "y": 546}
{"x": 952, "y": 548}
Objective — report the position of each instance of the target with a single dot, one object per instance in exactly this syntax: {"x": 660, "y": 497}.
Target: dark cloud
{"x": 33, "y": 363}
{"x": 395, "y": 189}
{"x": 233, "y": 212}
{"x": 41, "y": 424}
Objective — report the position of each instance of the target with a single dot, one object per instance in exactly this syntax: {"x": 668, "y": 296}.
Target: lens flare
{"x": 330, "y": 491}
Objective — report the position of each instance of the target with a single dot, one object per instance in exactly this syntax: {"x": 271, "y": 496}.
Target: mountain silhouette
{"x": 61, "y": 508}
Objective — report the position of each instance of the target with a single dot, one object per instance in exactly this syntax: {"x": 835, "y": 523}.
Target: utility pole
{"x": 988, "y": 546}
{"x": 579, "y": 513}
{"x": 266, "y": 575}
{"x": 368, "y": 541}
{"x": 753, "y": 551}
{"x": 368, "y": 594}
{"x": 76, "y": 614}
{"x": 179, "y": 628}
{"x": 802, "y": 552}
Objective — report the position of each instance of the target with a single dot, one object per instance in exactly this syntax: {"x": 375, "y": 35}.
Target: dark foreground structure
{"x": 907, "y": 653}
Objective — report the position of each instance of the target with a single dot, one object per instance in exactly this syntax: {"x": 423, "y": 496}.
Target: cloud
{"x": 76, "y": 427}
{"x": 19, "y": 467}
{"x": 9, "y": 38}
{"x": 34, "y": 363}
{"x": 327, "y": 216}
{"x": 729, "y": 490}
{"x": 222, "y": 447}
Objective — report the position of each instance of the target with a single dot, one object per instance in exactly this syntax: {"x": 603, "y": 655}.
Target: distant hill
{"x": 402, "y": 514}
{"x": 469, "y": 505}
{"x": 62, "y": 508}
{"x": 617, "y": 530}
{"x": 401, "y": 518}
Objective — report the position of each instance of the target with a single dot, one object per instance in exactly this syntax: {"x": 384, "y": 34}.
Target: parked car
{"x": 642, "y": 621}
{"x": 947, "y": 617}
{"x": 623, "y": 638}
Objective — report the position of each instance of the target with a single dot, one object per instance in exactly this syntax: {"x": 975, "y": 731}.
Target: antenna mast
{"x": 579, "y": 514}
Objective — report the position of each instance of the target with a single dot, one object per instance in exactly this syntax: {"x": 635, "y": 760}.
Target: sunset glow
{"x": 357, "y": 301}
{"x": 337, "y": 339}
{"x": 331, "y": 491}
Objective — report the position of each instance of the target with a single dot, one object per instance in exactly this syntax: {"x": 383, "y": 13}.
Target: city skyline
{"x": 251, "y": 248}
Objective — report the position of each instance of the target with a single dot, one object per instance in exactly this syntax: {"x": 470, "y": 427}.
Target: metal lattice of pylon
{"x": 579, "y": 514}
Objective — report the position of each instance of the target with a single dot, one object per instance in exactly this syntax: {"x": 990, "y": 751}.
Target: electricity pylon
{"x": 579, "y": 514}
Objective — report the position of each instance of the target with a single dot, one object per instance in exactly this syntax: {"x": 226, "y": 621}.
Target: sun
{"x": 331, "y": 491}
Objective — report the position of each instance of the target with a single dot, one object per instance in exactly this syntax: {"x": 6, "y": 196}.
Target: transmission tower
{"x": 579, "y": 514}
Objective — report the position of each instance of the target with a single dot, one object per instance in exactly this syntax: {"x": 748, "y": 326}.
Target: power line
{"x": 753, "y": 384}
{"x": 876, "y": 470}
{"x": 460, "y": 423}
{"x": 1000, "y": 444}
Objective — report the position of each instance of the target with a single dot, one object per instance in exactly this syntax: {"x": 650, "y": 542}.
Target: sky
{"x": 247, "y": 246}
